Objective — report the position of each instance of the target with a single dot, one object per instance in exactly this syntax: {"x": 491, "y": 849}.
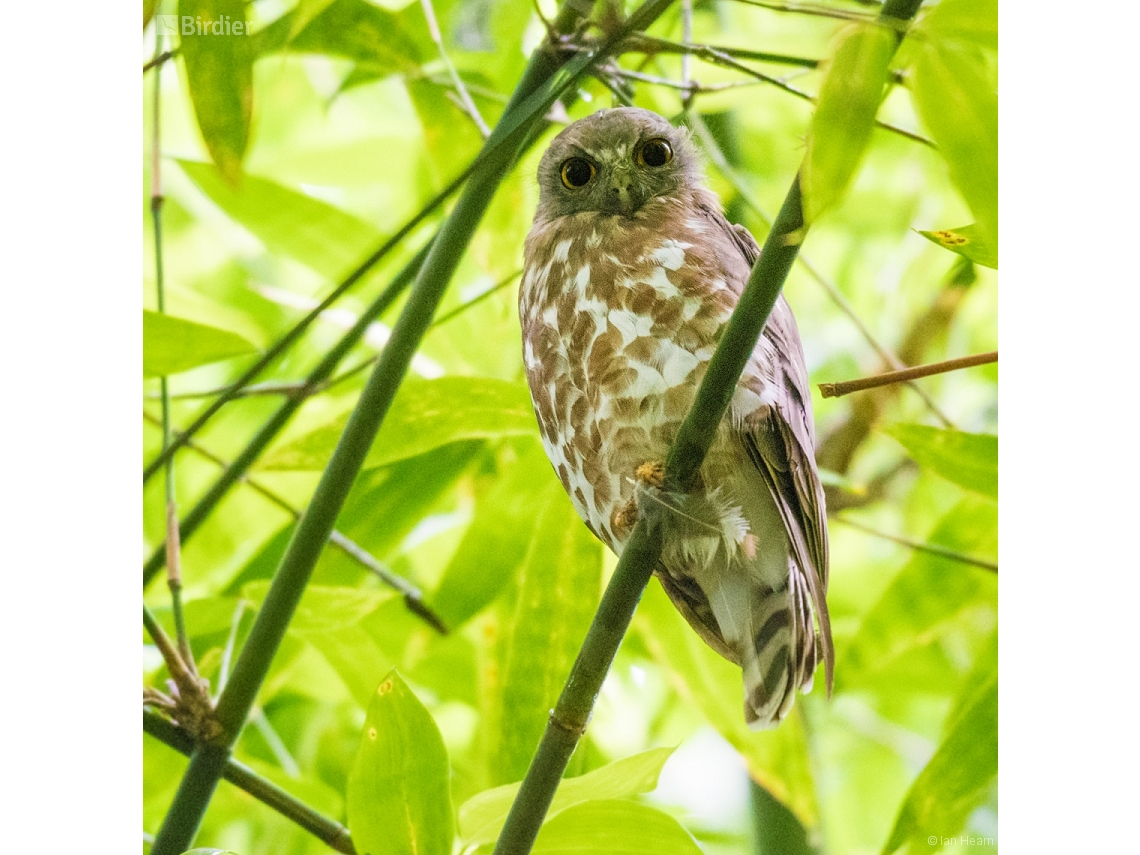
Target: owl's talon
{"x": 651, "y": 473}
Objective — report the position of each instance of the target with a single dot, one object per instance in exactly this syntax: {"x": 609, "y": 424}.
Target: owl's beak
{"x": 621, "y": 195}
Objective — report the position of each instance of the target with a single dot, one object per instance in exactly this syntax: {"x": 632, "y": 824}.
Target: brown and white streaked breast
{"x": 619, "y": 323}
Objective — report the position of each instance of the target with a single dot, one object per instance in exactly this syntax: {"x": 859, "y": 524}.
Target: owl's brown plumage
{"x": 631, "y": 273}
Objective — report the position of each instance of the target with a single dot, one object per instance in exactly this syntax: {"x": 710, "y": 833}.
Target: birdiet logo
{"x": 190, "y": 25}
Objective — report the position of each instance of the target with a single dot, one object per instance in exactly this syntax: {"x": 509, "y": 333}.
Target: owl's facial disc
{"x": 613, "y": 162}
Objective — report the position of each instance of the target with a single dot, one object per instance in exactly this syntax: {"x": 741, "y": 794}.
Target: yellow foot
{"x": 624, "y": 518}
{"x": 652, "y": 472}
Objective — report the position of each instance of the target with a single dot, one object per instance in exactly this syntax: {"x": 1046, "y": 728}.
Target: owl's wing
{"x": 781, "y": 445}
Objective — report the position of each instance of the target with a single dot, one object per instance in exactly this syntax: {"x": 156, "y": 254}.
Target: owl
{"x": 631, "y": 273}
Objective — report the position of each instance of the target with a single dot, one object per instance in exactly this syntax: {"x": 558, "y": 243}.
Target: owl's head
{"x": 614, "y": 161}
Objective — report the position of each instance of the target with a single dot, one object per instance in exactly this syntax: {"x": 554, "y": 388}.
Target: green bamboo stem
{"x": 571, "y": 714}
{"x": 265, "y": 791}
{"x": 268, "y": 432}
{"x": 545, "y": 79}
{"x": 295, "y": 332}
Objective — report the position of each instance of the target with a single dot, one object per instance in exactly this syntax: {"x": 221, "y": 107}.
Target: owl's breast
{"x": 620, "y": 318}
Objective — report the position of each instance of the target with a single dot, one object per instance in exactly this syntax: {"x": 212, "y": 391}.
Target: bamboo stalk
{"x": 571, "y": 714}
{"x": 544, "y": 80}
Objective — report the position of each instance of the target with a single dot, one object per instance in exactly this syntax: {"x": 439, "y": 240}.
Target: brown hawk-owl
{"x": 631, "y": 274}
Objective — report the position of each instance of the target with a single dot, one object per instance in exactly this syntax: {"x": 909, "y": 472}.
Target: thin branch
{"x": 159, "y": 59}
{"x": 717, "y": 57}
{"x": 686, "y": 59}
{"x": 548, "y": 75}
{"x": 465, "y": 102}
{"x": 918, "y": 546}
{"x": 265, "y": 791}
{"x": 836, "y": 390}
{"x": 809, "y": 9}
{"x": 713, "y": 149}
{"x": 654, "y": 45}
{"x": 413, "y": 596}
{"x": 642, "y": 551}
{"x": 173, "y": 547}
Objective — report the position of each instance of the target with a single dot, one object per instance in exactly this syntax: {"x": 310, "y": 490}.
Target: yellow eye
{"x": 577, "y": 172}
{"x": 655, "y": 152}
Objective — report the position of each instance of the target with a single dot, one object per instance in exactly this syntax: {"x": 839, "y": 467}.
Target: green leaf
{"x": 208, "y": 852}
{"x": 426, "y": 414}
{"x": 957, "y": 778}
{"x": 481, "y": 818}
{"x": 778, "y": 759}
{"x": 845, "y": 114}
{"x": 148, "y": 11}
{"x": 496, "y": 542}
{"x": 348, "y": 29}
{"x": 171, "y": 344}
{"x": 320, "y": 236}
{"x": 970, "y": 242}
{"x": 929, "y": 595}
{"x": 219, "y": 73}
{"x": 325, "y": 607}
{"x": 970, "y": 460}
{"x": 559, "y": 590}
{"x": 955, "y": 95}
{"x": 399, "y": 789}
{"x": 615, "y": 827}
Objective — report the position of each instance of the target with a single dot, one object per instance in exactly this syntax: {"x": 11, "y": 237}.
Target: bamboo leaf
{"x": 481, "y": 817}
{"x": 955, "y": 95}
{"x": 399, "y": 792}
{"x": 148, "y": 11}
{"x": 320, "y": 236}
{"x": 970, "y": 460}
{"x": 957, "y": 778}
{"x": 970, "y": 242}
{"x": 845, "y": 114}
{"x": 559, "y": 589}
{"x": 172, "y": 344}
{"x": 425, "y": 415}
{"x": 927, "y": 596}
{"x": 495, "y": 544}
{"x": 325, "y": 607}
{"x": 778, "y": 758}
{"x": 617, "y": 827}
{"x": 219, "y": 74}
{"x": 372, "y": 37}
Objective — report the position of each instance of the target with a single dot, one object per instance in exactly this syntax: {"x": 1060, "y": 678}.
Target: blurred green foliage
{"x": 288, "y": 156}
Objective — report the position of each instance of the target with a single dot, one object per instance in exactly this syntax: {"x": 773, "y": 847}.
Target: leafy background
{"x": 289, "y": 155}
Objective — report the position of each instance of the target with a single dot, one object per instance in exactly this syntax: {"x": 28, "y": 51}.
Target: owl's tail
{"x": 781, "y": 653}
{"x": 744, "y": 595}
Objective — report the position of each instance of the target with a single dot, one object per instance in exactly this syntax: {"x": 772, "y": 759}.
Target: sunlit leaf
{"x": 289, "y": 223}
{"x": 955, "y": 95}
{"x": 171, "y": 344}
{"x": 481, "y": 817}
{"x": 970, "y": 460}
{"x": 559, "y": 588}
{"x": 425, "y": 414}
{"x": 323, "y": 607}
{"x": 957, "y": 778}
{"x": 349, "y": 29}
{"x": 777, "y": 758}
{"x": 219, "y": 73}
{"x": 617, "y": 827}
{"x": 496, "y": 542}
{"x": 968, "y": 241}
{"x": 928, "y": 595}
{"x": 399, "y": 792}
{"x": 845, "y": 114}
{"x": 148, "y": 11}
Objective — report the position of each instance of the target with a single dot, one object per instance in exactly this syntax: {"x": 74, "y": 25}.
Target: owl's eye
{"x": 577, "y": 172}
{"x": 654, "y": 153}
